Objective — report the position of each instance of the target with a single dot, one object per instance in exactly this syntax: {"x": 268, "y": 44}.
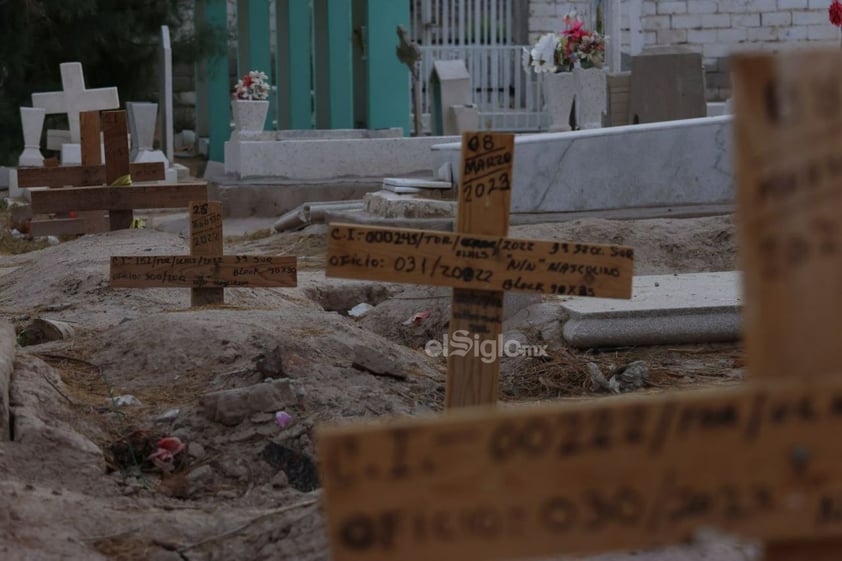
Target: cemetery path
{"x": 245, "y": 488}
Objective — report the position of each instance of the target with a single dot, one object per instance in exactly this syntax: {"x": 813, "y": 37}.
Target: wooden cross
{"x": 92, "y": 172}
{"x": 480, "y": 262}
{"x": 206, "y": 270}
{"x": 93, "y": 181}
{"x": 760, "y": 460}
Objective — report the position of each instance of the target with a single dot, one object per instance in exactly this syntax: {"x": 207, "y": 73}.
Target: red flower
{"x": 835, "y": 12}
{"x": 575, "y": 31}
{"x": 247, "y": 79}
{"x": 171, "y": 444}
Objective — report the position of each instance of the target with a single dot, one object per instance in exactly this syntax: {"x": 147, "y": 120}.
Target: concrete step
{"x": 409, "y": 185}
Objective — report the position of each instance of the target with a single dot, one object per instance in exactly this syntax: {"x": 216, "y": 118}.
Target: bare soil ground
{"x": 247, "y": 490}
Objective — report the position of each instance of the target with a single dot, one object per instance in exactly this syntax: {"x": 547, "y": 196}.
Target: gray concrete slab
{"x": 673, "y": 163}
{"x": 664, "y": 310}
{"x": 177, "y": 223}
{"x": 634, "y": 213}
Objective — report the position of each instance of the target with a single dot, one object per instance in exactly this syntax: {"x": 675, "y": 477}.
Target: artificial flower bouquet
{"x": 254, "y": 86}
{"x": 560, "y": 52}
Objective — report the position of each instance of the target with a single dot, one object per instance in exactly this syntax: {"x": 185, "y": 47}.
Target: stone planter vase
{"x": 142, "y": 120}
{"x": 578, "y": 98}
{"x": 559, "y": 95}
{"x": 249, "y": 117}
{"x": 591, "y": 97}
{"x": 32, "y": 121}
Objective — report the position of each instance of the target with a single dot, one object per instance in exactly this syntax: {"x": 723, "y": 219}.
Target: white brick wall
{"x": 715, "y": 28}
{"x": 548, "y": 15}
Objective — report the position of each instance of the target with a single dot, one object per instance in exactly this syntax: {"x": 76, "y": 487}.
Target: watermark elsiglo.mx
{"x": 461, "y": 343}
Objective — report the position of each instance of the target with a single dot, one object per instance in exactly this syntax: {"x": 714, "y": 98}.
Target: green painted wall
{"x": 214, "y": 106}
{"x": 254, "y": 48}
{"x": 387, "y": 79}
{"x": 294, "y": 64}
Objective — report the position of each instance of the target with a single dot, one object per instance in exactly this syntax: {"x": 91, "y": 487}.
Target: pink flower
{"x": 163, "y": 459}
{"x": 168, "y": 449}
{"x": 575, "y": 31}
{"x": 283, "y": 418}
{"x": 171, "y": 444}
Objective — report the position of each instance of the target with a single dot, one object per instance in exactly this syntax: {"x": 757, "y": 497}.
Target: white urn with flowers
{"x": 574, "y": 83}
{"x": 250, "y": 104}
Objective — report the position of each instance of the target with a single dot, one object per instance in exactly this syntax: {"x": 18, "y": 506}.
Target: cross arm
{"x": 195, "y": 271}
{"x": 117, "y": 198}
{"x": 760, "y": 460}
{"x": 51, "y": 102}
{"x": 85, "y": 175}
{"x": 99, "y": 99}
{"x": 61, "y": 176}
{"x": 479, "y": 262}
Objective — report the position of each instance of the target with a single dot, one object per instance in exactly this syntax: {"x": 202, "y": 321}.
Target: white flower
{"x": 258, "y": 88}
{"x": 526, "y": 59}
{"x": 543, "y": 54}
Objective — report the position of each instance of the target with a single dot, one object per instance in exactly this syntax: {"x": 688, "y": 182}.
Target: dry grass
{"x": 261, "y": 234}
{"x": 125, "y": 548}
{"x": 565, "y": 373}
{"x": 9, "y": 245}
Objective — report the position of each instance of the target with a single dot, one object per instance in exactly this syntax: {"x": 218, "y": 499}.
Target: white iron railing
{"x": 480, "y": 33}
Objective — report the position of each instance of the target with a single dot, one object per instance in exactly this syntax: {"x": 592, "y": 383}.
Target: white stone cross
{"x": 74, "y": 98}
{"x": 165, "y": 98}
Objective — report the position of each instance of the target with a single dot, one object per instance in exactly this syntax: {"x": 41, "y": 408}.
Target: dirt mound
{"x": 247, "y": 489}
{"x": 208, "y": 350}
{"x": 661, "y": 246}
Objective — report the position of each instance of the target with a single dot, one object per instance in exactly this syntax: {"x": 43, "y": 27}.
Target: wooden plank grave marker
{"x": 790, "y": 202}
{"x": 115, "y": 131}
{"x": 483, "y": 208}
{"x": 480, "y": 262}
{"x": 90, "y": 127}
{"x": 206, "y": 270}
{"x": 93, "y": 182}
{"x": 206, "y": 241}
{"x": 759, "y": 460}
{"x": 89, "y": 173}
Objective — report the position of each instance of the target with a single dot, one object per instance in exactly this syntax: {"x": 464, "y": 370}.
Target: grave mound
{"x": 219, "y": 349}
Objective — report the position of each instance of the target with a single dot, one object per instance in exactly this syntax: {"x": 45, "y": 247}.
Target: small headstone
{"x": 667, "y": 84}
{"x": 56, "y": 138}
{"x": 142, "y": 119}
{"x": 71, "y": 154}
{"x": 465, "y": 117}
{"x": 592, "y": 98}
{"x": 15, "y": 192}
{"x": 451, "y": 85}
{"x": 619, "y": 88}
{"x": 32, "y": 120}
